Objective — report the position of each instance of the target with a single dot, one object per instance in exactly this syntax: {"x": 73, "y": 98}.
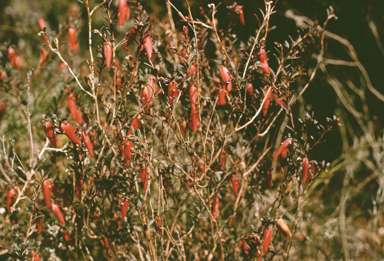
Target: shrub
{"x": 161, "y": 141}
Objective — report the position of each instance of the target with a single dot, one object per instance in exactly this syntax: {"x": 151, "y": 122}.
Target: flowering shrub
{"x": 151, "y": 141}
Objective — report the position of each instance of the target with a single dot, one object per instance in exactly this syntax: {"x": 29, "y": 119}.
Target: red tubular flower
{"x": 264, "y": 61}
{"x": 193, "y": 94}
{"x": 284, "y": 154}
{"x": 267, "y": 238}
{"x": 3, "y": 75}
{"x": 281, "y": 103}
{"x": 283, "y": 147}
{"x": 186, "y": 33}
{"x": 267, "y": 100}
{"x": 225, "y": 77}
{"x": 183, "y": 53}
{"x": 3, "y": 106}
{"x": 50, "y": 133}
{"x": 58, "y": 214}
{"x": 10, "y": 194}
{"x": 283, "y": 227}
{"x": 106, "y": 246}
{"x": 223, "y": 159}
{"x": 146, "y": 95}
{"x": 124, "y": 12}
{"x": 144, "y": 176}
{"x": 127, "y": 151}
{"x": 122, "y": 7}
{"x": 147, "y": 42}
{"x": 12, "y": 56}
{"x": 67, "y": 236}
{"x": 201, "y": 165}
{"x": 118, "y": 82}
{"x": 239, "y": 10}
{"x": 69, "y": 132}
{"x": 304, "y": 165}
{"x": 41, "y": 23}
{"x": 243, "y": 245}
{"x": 215, "y": 207}
{"x": 72, "y": 37}
{"x": 173, "y": 92}
{"x": 62, "y": 67}
{"x": 158, "y": 225}
{"x": 192, "y": 71}
{"x": 108, "y": 53}
{"x": 129, "y": 144}
{"x": 39, "y": 225}
{"x": 221, "y": 92}
{"x": 312, "y": 172}
{"x": 136, "y": 123}
{"x": 131, "y": 35}
{"x": 47, "y": 189}
{"x": 87, "y": 142}
{"x": 189, "y": 182}
{"x": 124, "y": 205}
{"x": 18, "y": 62}
{"x": 251, "y": 91}
{"x": 194, "y": 119}
{"x": 35, "y": 257}
{"x": 235, "y": 184}
{"x": 79, "y": 119}
{"x": 183, "y": 126}
{"x": 153, "y": 85}
{"x": 71, "y": 99}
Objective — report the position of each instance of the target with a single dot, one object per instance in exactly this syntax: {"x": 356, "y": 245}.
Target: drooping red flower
{"x": 173, "y": 92}
{"x": 108, "y": 53}
{"x": 41, "y": 23}
{"x": 264, "y": 61}
{"x": 305, "y": 167}
{"x": 72, "y": 38}
{"x": 235, "y": 184}
{"x": 192, "y": 71}
{"x": 147, "y": 42}
{"x": 122, "y": 9}
{"x": 283, "y": 147}
{"x": 239, "y": 11}
{"x": 194, "y": 119}
{"x": 58, "y": 214}
{"x": 87, "y": 142}
{"x": 225, "y": 77}
{"x": 128, "y": 144}
{"x": 251, "y": 91}
{"x": 10, "y": 194}
{"x": 267, "y": 238}
{"x": 144, "y": 176}
{"x": 124, "y": 205}
{"x": 68, "y": 130}
{"x": 131, "y": 36}
{"x": 215, "y": 207}
{"x": 47, "y": 189}
{"x": 146, "y": 95}
{"x": 12, "y": 56}
{"x": 50, "y": 133}
{"x": 267, "y": 100}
